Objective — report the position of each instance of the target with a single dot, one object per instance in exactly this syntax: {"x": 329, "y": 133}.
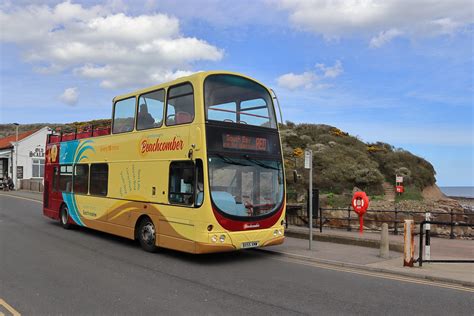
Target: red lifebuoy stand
{"x": 360, "y": 204}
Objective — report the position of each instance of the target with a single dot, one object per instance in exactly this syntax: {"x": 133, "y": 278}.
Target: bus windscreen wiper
{"x": 231, "y": 161}
{"x": 259, "y": 163}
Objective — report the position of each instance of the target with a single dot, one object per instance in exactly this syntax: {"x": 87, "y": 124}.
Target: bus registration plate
{"x": 250, "y": 244}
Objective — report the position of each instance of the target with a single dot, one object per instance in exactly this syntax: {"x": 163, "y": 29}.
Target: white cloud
{"x": 384, "y": 37}
{"x": 293, "y": 81}
{"x": 70, "y": 96}
{"x": 331, "y": 72}
{"x": 117, "y": 49}
{"x": 308, "y": 79}
{"x": 381, "y": 20}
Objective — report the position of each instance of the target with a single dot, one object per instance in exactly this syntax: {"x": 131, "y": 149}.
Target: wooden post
{"x": 409, "y": 243}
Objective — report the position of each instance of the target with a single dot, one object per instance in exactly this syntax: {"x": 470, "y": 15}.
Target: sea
{"x": 466, "y": 192}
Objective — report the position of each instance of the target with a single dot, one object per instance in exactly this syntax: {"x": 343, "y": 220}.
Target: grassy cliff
{"x": 342, "y": 161}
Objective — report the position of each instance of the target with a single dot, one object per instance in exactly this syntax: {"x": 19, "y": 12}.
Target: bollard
{"x": 409, "y": 243}
{"x": 384, "y": 242}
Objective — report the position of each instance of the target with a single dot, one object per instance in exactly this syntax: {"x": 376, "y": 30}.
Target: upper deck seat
{"x": 183, "y": 117}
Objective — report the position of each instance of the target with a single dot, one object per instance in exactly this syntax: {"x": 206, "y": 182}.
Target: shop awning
{"x": 5, "y": 153}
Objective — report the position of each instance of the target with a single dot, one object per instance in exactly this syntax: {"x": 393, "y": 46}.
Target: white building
{"x": 23, "y": 160}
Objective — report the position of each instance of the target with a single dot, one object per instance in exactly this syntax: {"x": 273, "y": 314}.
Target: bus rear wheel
{"x": 147, "y": 235}
{"x": 64, "y": 217}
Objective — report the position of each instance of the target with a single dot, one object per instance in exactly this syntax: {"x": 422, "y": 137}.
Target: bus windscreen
{"x": 234, "y": 99}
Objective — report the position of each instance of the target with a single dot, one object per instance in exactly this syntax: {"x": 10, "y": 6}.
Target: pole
{"x": 16, "y": 156}
{"x": 310, "y": 204}
{"x": 420, "y": 250}
{"x": 308, "y": 164}
{"x": 427, "y": 236}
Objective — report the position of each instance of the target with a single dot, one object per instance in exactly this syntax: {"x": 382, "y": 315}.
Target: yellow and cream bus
{"x": 194, "y": 164}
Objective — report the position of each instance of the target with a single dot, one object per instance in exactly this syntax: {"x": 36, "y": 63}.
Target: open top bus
{"x": 193, "y": 165}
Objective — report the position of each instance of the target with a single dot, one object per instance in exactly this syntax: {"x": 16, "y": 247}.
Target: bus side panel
{"x": 175, "y": 233}
{"x": 92, "y": 208}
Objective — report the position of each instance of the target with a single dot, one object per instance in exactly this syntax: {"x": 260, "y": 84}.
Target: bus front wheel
{"x": 147, "y": 235}
{"x": 64, "y": 217}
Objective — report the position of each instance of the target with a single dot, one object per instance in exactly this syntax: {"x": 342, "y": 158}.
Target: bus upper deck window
{"x": 234, "y": 99}
{"x": 150, "y": 110}
{"x": 180, "y": 105}
{"x": 124, "y": 116}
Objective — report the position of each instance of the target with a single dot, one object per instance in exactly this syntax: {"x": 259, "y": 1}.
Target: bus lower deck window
{"x": 81, "y": 178}
{"x": 181, "y": 186}
{"x": 99, "y": 177}
{"x": 65, "y": 178}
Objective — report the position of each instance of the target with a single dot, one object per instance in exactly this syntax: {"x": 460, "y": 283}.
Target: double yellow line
{"x": 378, "y": 275}
{"x": 8, "y": 307}
{"x": 21, "y": 198}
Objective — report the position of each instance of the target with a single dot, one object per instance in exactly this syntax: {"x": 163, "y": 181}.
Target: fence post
{"x": 420, "y": 250}
{"x": 349, "y": 219}
{"x": 409, "y": 243}
{"x": 395, "y": 228}
{"x": 451, "y": 235}
{"x": 320, "y": 219}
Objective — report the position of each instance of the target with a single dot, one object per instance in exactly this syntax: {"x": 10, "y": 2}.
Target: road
{"x": 45, "y": 269}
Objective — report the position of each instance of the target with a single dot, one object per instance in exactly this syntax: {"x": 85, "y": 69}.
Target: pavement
{"x": 361, "y": 251}
{"x": 367, "y": 258}
{"x": 47, "y": 270}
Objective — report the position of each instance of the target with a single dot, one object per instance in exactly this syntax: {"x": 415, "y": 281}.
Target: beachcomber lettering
{"x": 149, "y": 145}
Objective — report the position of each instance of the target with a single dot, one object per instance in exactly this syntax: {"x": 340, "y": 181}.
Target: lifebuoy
{"x": 360, "y": 202}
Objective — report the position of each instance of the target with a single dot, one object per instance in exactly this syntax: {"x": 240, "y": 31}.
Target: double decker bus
{"x": 194, "y": 165}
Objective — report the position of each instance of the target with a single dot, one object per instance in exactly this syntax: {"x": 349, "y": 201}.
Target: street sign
{"x": 19, "y": 172}
{"x": 308, "y": 158}
{"x": 399, "y": 179}
{"x": 400, "y": 188}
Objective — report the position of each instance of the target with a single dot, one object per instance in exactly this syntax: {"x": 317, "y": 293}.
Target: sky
{"x": 395, "y": 71}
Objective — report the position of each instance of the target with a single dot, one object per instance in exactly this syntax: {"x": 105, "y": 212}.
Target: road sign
{"x": 400, "y": 188}
{"x": 399, "y": 179}
{"x": 308, "y": 158}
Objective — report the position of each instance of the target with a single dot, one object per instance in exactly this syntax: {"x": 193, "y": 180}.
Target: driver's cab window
{"x": 181, "y": 186}
{"x": 199, "y": 184}
{"x": 180, "y": 105}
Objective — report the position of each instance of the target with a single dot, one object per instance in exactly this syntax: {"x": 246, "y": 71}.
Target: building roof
{"x": 6, "y": 141}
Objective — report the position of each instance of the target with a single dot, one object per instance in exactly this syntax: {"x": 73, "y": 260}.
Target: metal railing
{"x": 420, "y": 259}
{"x": 297, "y": 215}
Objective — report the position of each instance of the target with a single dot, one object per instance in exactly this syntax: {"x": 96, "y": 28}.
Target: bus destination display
{"x": 244, "y": 142}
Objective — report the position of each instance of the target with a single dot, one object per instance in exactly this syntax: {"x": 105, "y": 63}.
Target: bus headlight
{"x": 222, "y": 238}
{"x": 214, "y": 238}
{"x": 275, "y": 232}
